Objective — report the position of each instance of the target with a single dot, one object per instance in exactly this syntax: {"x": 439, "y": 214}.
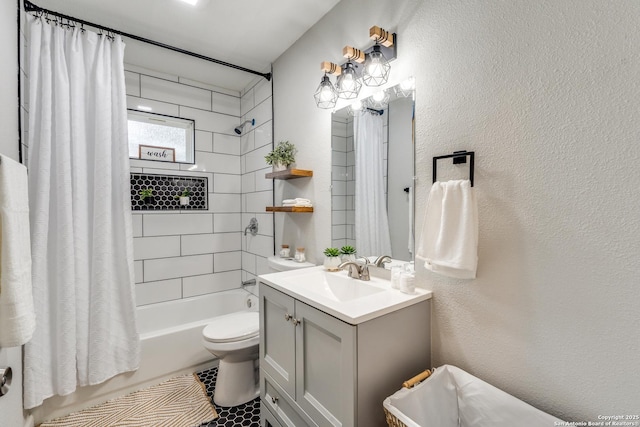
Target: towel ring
{"x": 458, "y": 157}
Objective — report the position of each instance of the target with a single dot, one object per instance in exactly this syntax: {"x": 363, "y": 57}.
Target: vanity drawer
{"x": 267, "y": 418}
{"x": 278, "y": 403}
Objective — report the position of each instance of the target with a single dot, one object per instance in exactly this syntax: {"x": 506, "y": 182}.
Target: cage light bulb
{"x": 378, "y": 96}
{"x": 408, "y": 84}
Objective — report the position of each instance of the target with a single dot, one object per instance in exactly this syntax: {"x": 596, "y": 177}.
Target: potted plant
{"x": 348, "y": 253}
{"x": 184, "y": 197}
{"x": 282, "y": 156}
{"x": 332, "y": 259}
{"x": 146, "y": 194}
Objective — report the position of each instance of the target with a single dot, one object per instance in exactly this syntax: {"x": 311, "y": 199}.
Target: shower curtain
{"x": 81, "y": 231}
{"x": 372, "y": 224}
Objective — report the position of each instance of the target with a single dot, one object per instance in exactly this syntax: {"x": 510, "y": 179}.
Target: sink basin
{"x": 335, "y": 286}
{"x": 351, "y": 300}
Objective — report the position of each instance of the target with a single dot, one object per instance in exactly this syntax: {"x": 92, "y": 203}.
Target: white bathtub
{"x": 171, "y": 332}
{"x": 171, "y": 344}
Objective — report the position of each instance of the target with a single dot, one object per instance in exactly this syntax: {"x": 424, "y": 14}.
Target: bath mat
{"x": 178, "y": 402}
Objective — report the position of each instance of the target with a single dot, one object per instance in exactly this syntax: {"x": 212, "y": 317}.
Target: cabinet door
{"x": 325, "y": 367}
{"x": 277, "y": 337}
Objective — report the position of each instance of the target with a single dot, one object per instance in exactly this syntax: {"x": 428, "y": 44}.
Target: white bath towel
{"x": 298, "y": 205}
{"x": 449, "y": 238}
{"x": 297, "y": 202}
{"x": 17, "y": 315}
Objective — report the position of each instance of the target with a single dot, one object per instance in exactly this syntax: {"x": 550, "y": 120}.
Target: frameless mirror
{"x": 372, "y": 174}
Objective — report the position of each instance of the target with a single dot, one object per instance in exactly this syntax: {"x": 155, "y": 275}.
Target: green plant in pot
{"x": 282, "y": 156}
{"x": 348, "y": 253}
{"x": 184, "y": 197}
{"x": 146, "y": 195}
{"x": 332, "y": 259}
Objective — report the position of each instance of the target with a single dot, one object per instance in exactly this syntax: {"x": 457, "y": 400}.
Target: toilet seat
{"x": 232, "y": 327}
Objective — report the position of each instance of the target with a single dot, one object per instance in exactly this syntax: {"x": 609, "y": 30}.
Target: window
{"x": 158, "y": 131}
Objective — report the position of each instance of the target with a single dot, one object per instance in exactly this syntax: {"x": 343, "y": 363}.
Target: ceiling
{"x": 248, "y": 33}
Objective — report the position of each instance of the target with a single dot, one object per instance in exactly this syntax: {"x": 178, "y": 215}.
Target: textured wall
{"x": 546, "y": 93}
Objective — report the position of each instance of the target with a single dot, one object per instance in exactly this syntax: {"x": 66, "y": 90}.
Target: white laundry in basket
{"x": 432, "y": 403}
{"x": 451, "y": 397}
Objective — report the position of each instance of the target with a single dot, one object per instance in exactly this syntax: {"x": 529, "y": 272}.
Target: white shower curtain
{"x": 81, "y": 232}
{"x": 372, "y": 224}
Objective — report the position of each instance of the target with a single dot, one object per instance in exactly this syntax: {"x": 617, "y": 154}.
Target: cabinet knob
{"x": 287, "y": 317}
{"x": 274, "y": 399}
{"x": 5, "y": 380}
{"x": 296, "y": 322}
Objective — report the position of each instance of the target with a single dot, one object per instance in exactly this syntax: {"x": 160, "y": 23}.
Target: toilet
{"x": 234, "y": 338}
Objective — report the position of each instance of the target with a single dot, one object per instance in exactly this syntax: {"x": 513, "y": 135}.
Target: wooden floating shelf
{"x": 297, "y": 209}
{"x": 289, "y": 174}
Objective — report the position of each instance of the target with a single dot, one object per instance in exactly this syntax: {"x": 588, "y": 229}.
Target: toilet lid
{"x": 233, "y": 327}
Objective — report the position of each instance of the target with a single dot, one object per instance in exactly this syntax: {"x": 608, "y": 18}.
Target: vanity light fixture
{"x": 406, "y": 88}
{"x": 379, "y": 100}
{"x": 376, "y": 66}
{"x": 357, "y": 106}
{"x": 326, "y": 95}
{"x": 348, "y": 85}
{"x": 376, "y": 69}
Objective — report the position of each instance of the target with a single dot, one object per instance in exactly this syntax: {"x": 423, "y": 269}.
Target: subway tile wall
{"x": 257, "y": 191}
{"x": 342, "y": 182}
{"x": 186, "y": 254}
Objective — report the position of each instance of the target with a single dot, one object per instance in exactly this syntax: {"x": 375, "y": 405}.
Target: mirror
{"x": 372, "y": 206}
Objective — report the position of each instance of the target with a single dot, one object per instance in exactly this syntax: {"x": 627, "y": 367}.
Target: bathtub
{"x": 171, "y": 344}
{"x": 171, "y": 332}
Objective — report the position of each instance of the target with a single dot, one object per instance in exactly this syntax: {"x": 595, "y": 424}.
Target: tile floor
{"x": 247, "y": 415}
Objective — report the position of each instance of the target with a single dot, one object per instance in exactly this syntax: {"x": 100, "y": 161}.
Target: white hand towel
{"x": 301, "y": 200}
{"x": 289, "y": 201}
{"x": 449, "y": 238}
{"x": 17, "y": 315}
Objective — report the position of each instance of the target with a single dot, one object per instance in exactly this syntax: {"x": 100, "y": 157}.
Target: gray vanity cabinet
{"x": 317, "y": 370}
{"x": 307, "y": 361}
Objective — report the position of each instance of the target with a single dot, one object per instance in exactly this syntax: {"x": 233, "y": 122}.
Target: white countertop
{"x": 304, "y": 285}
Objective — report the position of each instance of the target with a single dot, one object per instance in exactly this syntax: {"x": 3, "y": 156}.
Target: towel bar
{"x": 458, "y": 157}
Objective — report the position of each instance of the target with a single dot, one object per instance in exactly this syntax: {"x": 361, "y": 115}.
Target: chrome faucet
{"x": 382, "y": 259}
{"x": 356, "y": 270}
{"x": 252, "y": 227}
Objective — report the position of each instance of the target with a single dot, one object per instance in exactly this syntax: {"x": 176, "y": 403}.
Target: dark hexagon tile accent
{"x": 246, "y": 415}
{"x": 165, "y": 189}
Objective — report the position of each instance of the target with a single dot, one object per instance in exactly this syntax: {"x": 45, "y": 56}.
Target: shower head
{"x": 240, "y": 128}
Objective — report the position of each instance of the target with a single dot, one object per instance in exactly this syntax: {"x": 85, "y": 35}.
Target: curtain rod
{"x": 30, "y": 7}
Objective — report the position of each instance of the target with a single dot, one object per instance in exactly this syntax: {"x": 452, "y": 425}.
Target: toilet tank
{"x": 276, "y": 264}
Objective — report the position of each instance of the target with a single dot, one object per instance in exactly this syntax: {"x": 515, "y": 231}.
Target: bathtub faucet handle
{"x": 252, "y": 227}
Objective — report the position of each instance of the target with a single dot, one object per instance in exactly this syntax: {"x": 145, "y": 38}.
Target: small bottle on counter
{"x": 300, "y": 257}
{"x": 285, "y": 252}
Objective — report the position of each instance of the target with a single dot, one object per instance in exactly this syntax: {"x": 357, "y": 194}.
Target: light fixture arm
{"x": 353, "y": 54}
{"x": 331, "y": 68}
{"x": 382, "y": 36}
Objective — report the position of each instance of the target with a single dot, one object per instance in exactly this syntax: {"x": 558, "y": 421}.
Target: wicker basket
{"x": 452, "y": 396}
{"x": 392, "y": 421}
